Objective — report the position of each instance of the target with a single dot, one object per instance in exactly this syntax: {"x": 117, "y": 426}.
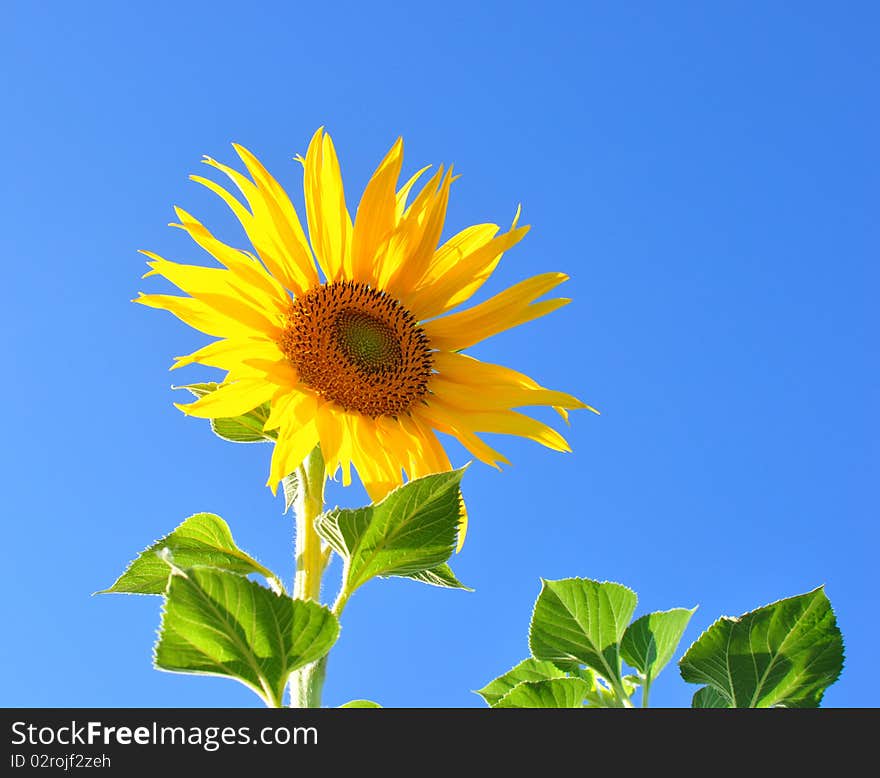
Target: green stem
{"x": 620, "y": 692}
{"x": 307, "y": 682}
{"x": 341, "y": 599}
{"x": 646, "y": 688}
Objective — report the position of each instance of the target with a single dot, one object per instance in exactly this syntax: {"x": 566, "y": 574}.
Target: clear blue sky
{"x": 706, "y": 173}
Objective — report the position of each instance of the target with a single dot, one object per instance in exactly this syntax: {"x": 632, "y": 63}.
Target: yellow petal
{"x": 291, "y": 408}
{"x": 510, "y": 308}
{"x": 229, "y": 400}
{"x": 467, "y": 398}
{"x": 404, "y": 191}
{"x": 331, "y": 432}
{"x": 329, "y": 223}
{"x": 374, "y": 465}
{"x": 278, "y": 248}
{"x": 227, "y": 353}
{"x": 293, "y": 445}
{"x": 376, "y": 215}
{"x": 448, "y": 422}
{"x": 255, "y": 231}
{"x": 431, "y": 456}
{"x": 397, "y": 249}
{"x": 224, "y": 292}
{"x": 422, "y": 242}
{"x": 504, "y": 422}
{"x": 440, "y": 293}
{"x": 437, "y": 462}
{"x": 285, "y": 219}
{"x": 462, "y": 523}
{"x": 199, "y": 315}
{"x": 457, "y": 248}
{"x": 501, "y": 385}
{"x": 239, "y": 263}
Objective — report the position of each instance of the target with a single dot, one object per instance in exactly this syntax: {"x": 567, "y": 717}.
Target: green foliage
{"x": 528, "y": 670}
{"x": 247, "y": 428}
{"x": 441, "y": 575}
{"x": 412, "y": 531}
{"x": 203, "y": 539}
{"x": 650, "y": 641}
{"x": 785, "y": 654}
{"x": 709, "y": 697}
{"x": 361, "y": 704}
{"x": 550, "y": 693}
{"x": 580, "y": 621}
{"x": 218, "y": 623}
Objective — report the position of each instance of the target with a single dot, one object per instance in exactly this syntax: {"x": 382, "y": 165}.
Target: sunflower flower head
{"x": 354, "y": 335}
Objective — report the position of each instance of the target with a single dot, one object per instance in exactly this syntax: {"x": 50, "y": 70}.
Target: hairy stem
{"x": 646, "y": 688}
{"x": 307, "y": 682}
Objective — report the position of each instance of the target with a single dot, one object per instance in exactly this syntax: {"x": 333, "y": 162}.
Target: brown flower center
{"x": 358, "y": 347}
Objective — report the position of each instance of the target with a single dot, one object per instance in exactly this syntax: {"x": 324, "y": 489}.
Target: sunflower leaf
{"x": 549, "y": 693}
{"x": 527, "y": 670}
{"x": 218, "y": 623}
{"x": 781, "y": 655}
{"x": 442, "y": 576}
{"x": 650, "y": 641}
{"x": 411, "y": 531}
{"x": 246, "y": 428}
{"x": 583, "y": 621}
{"x": 203, "y": 539}
{"x": 361, "y": 704}
{"x": 709, "y": 697}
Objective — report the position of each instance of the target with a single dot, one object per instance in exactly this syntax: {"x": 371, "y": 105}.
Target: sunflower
{"x": 348, "y": 335}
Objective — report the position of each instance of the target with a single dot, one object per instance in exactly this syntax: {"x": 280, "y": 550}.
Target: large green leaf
{"x": 203, "y": 539}
{"x": 412, "y": 530}
{"x": 361, "y": 704}
{"x": 709, "y": 697}
{"x": 578, "y": 620}
{"x": 551, "y": 693}
{"x": 784, "y": 654}
{"x": 527, "y": 670}
{"x": 650, "y": 641}
{"x": 218, "y": 623}
{"x": 246, "y": 428}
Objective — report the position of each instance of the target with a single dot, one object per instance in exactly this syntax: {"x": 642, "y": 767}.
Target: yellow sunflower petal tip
{"x": 516, "y": 216}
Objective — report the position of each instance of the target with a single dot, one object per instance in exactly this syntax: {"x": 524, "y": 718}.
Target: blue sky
{"x": 706, "y": 173}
